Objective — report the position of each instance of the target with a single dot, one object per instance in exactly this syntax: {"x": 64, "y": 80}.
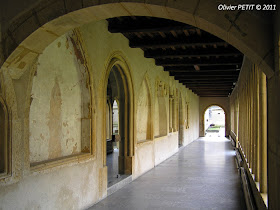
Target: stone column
{"x": 170, "y": 114}
{"x": 256, "y": 124}
{"x": 263, "y": 133}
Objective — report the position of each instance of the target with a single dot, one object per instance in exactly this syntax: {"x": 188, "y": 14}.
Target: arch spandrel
{"x": 242, "y": 30}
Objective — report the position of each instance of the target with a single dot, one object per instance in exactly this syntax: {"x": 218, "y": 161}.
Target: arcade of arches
{"x": 62, "y": 71}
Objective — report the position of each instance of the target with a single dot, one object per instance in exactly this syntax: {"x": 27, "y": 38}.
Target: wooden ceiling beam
{"x": 167, "y": 44}
{"x": 213, "y": 95}
{"x": 123, "y": 28}
{"x": 204, "y": 71}
{"x": 198, "y": 78}
{"x": 203, "y": 68}
{"x": 212, "y": 89}
{"x": 199, "y": 62}
{"x": 206, "y": 84}
{"x": 191, "y": 53}
{"x": 198, "y": 73}
{"x": 205, "y": 79}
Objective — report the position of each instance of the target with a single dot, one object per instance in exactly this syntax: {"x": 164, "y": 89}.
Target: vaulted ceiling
{"x": 202, "y": 62}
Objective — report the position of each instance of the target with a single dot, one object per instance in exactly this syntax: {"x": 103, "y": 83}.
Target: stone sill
{"x": 44, "y": 165}
{"x": 144, "y": 141}
{"x": 157, "y": 138}
{"x": 4, "y": 176}
{"x": 261, "y": 201}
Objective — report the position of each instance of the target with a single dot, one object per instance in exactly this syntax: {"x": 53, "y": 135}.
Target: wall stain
{"x": 67, "y": 44}
{"x": 68, "y": 140}
{"x": 86, "y": 149}
{"x": 22, "y": 65}
{"x": 78, "y": 53}
{"x": 55, "y": 122}
{"x": 74, "y": 151}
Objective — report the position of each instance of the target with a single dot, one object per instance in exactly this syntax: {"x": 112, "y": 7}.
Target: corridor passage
{"x": 202, "y": 175}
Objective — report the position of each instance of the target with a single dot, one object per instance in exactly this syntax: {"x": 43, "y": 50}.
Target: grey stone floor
{"x": 202, "y": 175}
{"x": 112, "y": 165}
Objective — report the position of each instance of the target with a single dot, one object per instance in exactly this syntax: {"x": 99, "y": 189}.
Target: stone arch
{"x": 47, "y": 21}
{"x": 226, "y": 116}
{"x": 118, "y": 64}
{"x": 144, "y": 112}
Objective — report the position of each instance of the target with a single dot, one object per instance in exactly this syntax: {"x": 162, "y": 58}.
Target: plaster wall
{"x": 144, "y": 158}
{"x": 78, "y": 182}
{"x": 192, "y": 126}
{"x": 165, "y": 147}
{"x": 143, "y": 113}
{"x": 56, "y": 110}
{"x": 206, "y": 102}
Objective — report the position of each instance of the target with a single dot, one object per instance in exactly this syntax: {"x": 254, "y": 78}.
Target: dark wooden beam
{"x": 217, "y": 82}
{"x": 146, "y": 28}
{"x": 207, "y": 78}
{"x": 204, "y": 71}
{"x": 199, "y": 73}
{"x": 200, "y": 62}
{"x": 213, "y": 95}
{"x": 191, "y": 53}
{"x": 203, "y": 68}
{"x": 212, "y": 91}
{"x": 211, "y": 88}
{"x": 179, "y": 41}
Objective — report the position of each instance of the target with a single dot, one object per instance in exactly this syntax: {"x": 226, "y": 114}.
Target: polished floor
{"x": 202, "y": 175}
{"x": 112, "y": 165}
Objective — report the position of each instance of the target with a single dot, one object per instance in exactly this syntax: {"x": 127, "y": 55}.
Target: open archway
{"x": 119, "y": 87}
{"x": 214, "y": 121}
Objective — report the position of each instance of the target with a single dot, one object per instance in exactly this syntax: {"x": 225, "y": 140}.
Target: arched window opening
{"x": 214, "y": 122}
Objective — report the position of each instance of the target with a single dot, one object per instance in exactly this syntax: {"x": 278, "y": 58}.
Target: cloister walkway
{"x": 202, "y": 175}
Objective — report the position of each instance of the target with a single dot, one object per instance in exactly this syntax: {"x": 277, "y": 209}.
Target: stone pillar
{"x": 263, "y": 133}
{"x": 256, "y": 127}
{"x": 170, "y": 114}
{"x": 174, "y": 114}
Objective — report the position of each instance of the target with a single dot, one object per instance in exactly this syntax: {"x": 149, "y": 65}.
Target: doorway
{"x": 117, "y": 126}
{"x": 214, "y": 121}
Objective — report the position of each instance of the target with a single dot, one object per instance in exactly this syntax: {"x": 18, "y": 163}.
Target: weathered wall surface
{"x": 165, "y": 147}
{"x": 144, "y": 113}
{"x": 191, "y": 117}
{"x": 206, "y": 102}
{"x": 56, "y": 110}
{"x": 79, "y": 181}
